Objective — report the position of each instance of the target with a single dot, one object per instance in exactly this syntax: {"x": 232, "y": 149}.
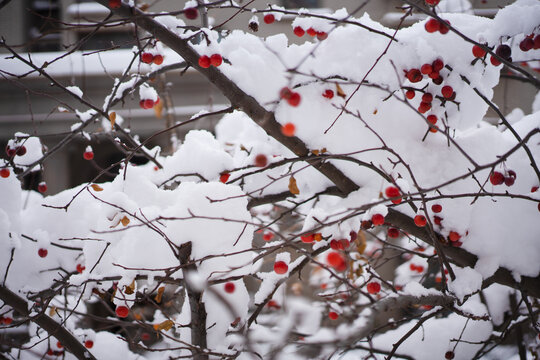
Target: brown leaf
{"x": 52, "y": 311}
{"x": 130, "y": 289}
{"x": 293, "y": 188}
{"x": 340, "y": 91}
{"x": 375, "y": 112}
{"x": 361, "y": 242}
{"x": 317, "y": 237}
{"x": 165, "y": 325}
{"x": 96, "y": 187}
{"x": 158, "y": 109}
{"x": 125, "y": 221}
{"x": 315, "y": 152}
{"x": 112, "y": 118}
{"x": 159, "y": 295}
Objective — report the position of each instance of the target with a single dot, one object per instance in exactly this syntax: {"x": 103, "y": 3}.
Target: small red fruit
{"x": 373, "y": 287}
{"x": 42, "y": 252}
{"x": 59, "y": 345}
{"x": 447, "y": 91}
{"x": 336, "y": 260}
{"x": 268, "y": 236}
{"x": 89, "y": 155}
{"x": 311, "y": 31}
{"x": 410, "y": 94}
{"x": 494, "y": 61}
{"x": 478, "y": 51}
{"x": 420, "y": 220}
{"x": 534, "y": 189}
{"x": 42, "y": 187}
{"x": 432, "y": 25}
{"x": 321, "y": 35}
{"x": 288, "y": 129}
{"x": 281, "y": 267}
{"x": 426, "y": 69}
{"x": 88, "y": 344}
{"x": 393, "y": 233}
{"x": 526, "y": 44}
{"x": 436, "y": 208}
{"x": 392, "y": 191}
{"x": 80, "y": 268}
{"x": 115, "y": 4}
{"x": 443, "y": 27}
{"x": 148, "y": 103}
{"x": 204, "y": 61}
{"x": 432, "y": 2}
{"x": 454, "y": 236}
{"x": 20, "y": 150}
{"x": 10, "y": 152}
{"x": 308, "y": 238}
{"x": 437, "y": 65}
{"x": 432, "y": 119}
{"x": 377, "y": 219}
{"x": 261, "y": 160}
{"x": 158, "y": 59}
{"x": 438, "y": 80}
{"x": 216, "y": 60}
{"x": 496, "y": 178}
{"x": 424, "y": 107}
{"x": 298, "y": 31}
{"x": 294, "y": 100}
{"x": 269, "y": 18}
{"x": 333, "y": 315}
{"x": 414, "y": 75}
{"x": 504, "y": 51}
{"x": 4, "y": 172}
{"x": 224, "y": 177}
{"x": 229, "y": 287}
{"x": 509, "y": 181}
{"x": 122, "y": 311}
{"x": 427, "y": 97}
{"x": 449, "y": 355}
{"x": 437, "y": 220}
{"x": 147, "y": 58}
{"x": 7, "y": 320}
{"x": 536, "y": 42}
{"x": 328, "y": 94}
{"x": 191, "y": 13}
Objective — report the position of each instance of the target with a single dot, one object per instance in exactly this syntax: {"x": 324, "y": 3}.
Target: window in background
{"x": 297, "y": 4}
{"x": 44, "y": 27}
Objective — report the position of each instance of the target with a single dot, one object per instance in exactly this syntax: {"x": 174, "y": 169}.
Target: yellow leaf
{"x": 315, "y": 152}
{"x": 340, "y": 91}
{"x": 52, "y": 311}
{"x": 165, "y": 325}
{"x": 293, "y": 188}
{"x": 317, "y": 237}
{"x": 158, "y": 109}
{"x": 112, "y": 118}
{"x": 96, "y": 187}
{"x": 125, "y": 221}
{"x": 361, "y": 242}
{"x": 159, "y": 294}
{"x": 130, "y": 289}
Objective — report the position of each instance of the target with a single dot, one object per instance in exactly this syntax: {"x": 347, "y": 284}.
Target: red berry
{"x": 392, "y": 191}
{"x": 204, "y": 61}
{"x": 410, "y": 94}
{"x": 454, "y": 236}
{"x": 437, "y": 220}
{"x": 59, "y": 345}
{"x": 414, "y": 75}
{"x": 432, "y": 119}
{"x": 269, "y": 18}
{"x": 426, "y": 69}
{"x": 148, "y": 103}
{"x": 158, "y": 59}
{"x": 509, "y": 181}
{"x": 504, "y": 51}
{"x": 224, "y": 177}
{"x": 393, "y": 233}
{"x": 261, "y": 160}
{"x": 427, "y": 97}
{"x": 420, "y": 269}
{"x": 420, "y": 220}
{"x": 89, "y": 155}
{"x": 10, "y": 152}
{"x": 115, "y": 4}
{"x": 294, "y": 100}
{"x": 191, "y": 13}
{"x": 281, "y": 267}
{"x": 229, "y": 287}
{"x": 42, "y": 187}
{"x": 328, "y": 94}
{"x": 443, "y": 27}
{"x": 122, "y": 311}
{"x": 449, "y": 355}
{"x": 147, "y": 58}
{"x": 298, "y": 31}
{"x": 50, "y": 352}
{"x": 308, "y": 238}
{"x": 216, "y": 60}
{"x": 494, "y": 61}
{"x": 333, "y": 315}
{"x": 285, "y": 93}
{"x": 424, "y": 107}
{"x": 80, "y": 268}
{"x": 534, "y": 189}
{"x": 336, "y": 260}
{"x": 432, "y": 2}
{"x": 288, "y": 129}
{"x": 526, "y": 44}
{"x": 20, "y": 150}
{"x": 321, "y": 35}
{"x": 536, "y": 42}
{"x": 377, "y": 219}
{"x": 373, "y": 287}
{"x": 268, "y": 236}
{"x": 447, "y": 91}
{"x": 7, "y": 320}
{"x": 311, "y": 31}
{"x": 432, "y": 25}
{"x": 141, "y": 104}
{"x": 42, "y": 252}
{"x": 437, "y": 65}
{"x": 412, "y": 267}
{"x": 88, "y": 344}
{"x": 438, "y": 80}
{"x": 4, "y": 172}
{"x": 496, "y": 178}
{"x": 478, "y": 51}
{"x": 344, "y": 244}
{"x": 512, "y": 174}
{"x": 436, "y": 208}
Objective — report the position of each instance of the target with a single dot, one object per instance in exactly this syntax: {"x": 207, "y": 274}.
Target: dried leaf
{"x": 375, "y": 112}
{"x": 158, "y": 109}
{"x": 165, "y": 325}
{"x": 317, "y": 237}
{"x": 340, "y": 91}
{"x": 361, "y": 242}
{"x": 125, "y": 221}
{"x": 159, "y": 295}
{"x": 52, "y": 311}
{"x": 96, "y": 187}
{"x": 293, "y": 188}
{"x": 315, "y": 152}
{"x": 130, "y": 289}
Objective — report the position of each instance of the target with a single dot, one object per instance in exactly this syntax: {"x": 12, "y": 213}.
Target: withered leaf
{"x": 340, "y": 91}
{"x": 159, "y": 295}
{"x": 112, "y": 118}
{"x": 125, "y": 221}
{"x": 158, "y": 110}
{"x": 293, "y": 188}
{"x": 165, "y": 325}
{"x": 130, "y": 289}
{"x": 96, "y": 187}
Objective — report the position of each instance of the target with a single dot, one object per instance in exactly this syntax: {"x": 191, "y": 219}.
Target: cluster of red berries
{"x": 299, "y": 31}
{"x": 341, "y": 244}
{"x": 418, "y": 268}
{"x": 292, "y": 97}
{"x": 18, "y": 150}
{"x": 206, "y": 61}
{"x": 148, "y": 58}
{"x": 5, "y": 320}
{"x": 434, "y": 25}
{"x": 191, "y": 13}
{"x": 393, "y": 193}
{"x": 309, "y": 238}
{"x": 504, "y": 51}
{"x": 148, "y": 103}
{"x": 115, "y": 4}
{"x": 281, "y": 267}
{"x": 530, "y": 42}
{"x": 497, "y": 178}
